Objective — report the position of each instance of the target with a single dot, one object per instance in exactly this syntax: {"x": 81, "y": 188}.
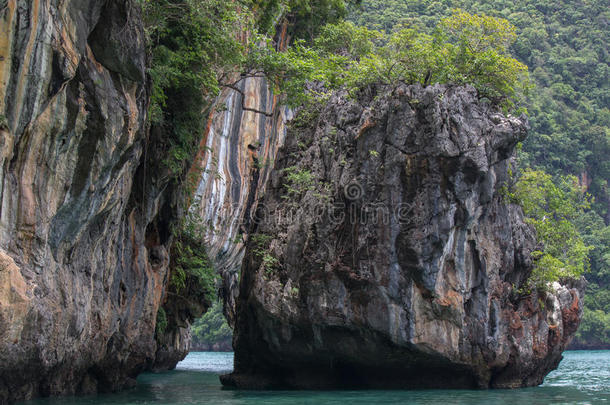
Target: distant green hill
{"x": 211, "y": 332}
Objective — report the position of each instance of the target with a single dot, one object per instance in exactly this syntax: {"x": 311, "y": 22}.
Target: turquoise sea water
{"x": 582, "y": 378}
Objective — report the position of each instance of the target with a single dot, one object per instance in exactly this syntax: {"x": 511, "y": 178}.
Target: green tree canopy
{"x": 552, "y": 209}
{"x": 464, "y": 49}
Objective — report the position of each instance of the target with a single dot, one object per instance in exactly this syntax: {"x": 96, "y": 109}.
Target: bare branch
{"x": 243, "y": 101}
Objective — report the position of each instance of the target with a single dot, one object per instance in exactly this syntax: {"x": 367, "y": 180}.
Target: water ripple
{"x": 582, "y": 378}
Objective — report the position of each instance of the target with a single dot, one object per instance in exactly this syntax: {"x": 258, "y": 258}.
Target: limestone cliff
{"x": 385, "y": 255}
{"x": 88, "y": 206}
{"x": 85, "y": 209}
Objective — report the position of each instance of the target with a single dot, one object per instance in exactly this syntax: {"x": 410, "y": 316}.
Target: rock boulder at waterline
{"x": 385, "y": 253}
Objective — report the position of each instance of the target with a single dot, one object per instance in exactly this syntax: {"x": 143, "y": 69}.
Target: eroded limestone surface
{"x": 386, "y": 256}
{"x": 83, "y": 260}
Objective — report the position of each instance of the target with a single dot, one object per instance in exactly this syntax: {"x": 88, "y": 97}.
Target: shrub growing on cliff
{"x": 552, "y": 210}
{"x": 161, "y": 323}
{"x": 261, "y": 245}
{"x": 298, "y": 181}
{"x": 192, "y": 43}
{"x": 190, "y": 258}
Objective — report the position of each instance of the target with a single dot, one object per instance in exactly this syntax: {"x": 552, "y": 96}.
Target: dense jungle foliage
{"x": 563, "y": 178}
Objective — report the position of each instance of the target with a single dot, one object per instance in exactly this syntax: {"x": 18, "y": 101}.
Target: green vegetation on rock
{"x": 261, "y": 243}
{"x": 192, "y": 44}
{"x": 161, "y": 322}
{"x": 552, "y": 209}
{"x": 462, "y": 49}
{"x": 195, "y": 51}
{"x": 190, "y": 257}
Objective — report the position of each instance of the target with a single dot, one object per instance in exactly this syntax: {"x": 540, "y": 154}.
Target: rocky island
{"x": 392, "y": 260}
{"x": 367, "y": 243}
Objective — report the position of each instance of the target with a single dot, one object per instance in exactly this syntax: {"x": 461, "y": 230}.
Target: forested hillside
{"x": 565, "y": 46}
{"x": 211, "y": 332}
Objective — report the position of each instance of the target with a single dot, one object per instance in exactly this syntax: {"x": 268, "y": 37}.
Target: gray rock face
{"x": 85, "y": 209}
{"x": 384, "y": 254}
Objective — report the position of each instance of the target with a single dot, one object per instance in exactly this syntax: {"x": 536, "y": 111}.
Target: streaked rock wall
{"x": 83, "y": 264}
{"x": 87, "y": 205}
{"x": 233, "y": 166}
